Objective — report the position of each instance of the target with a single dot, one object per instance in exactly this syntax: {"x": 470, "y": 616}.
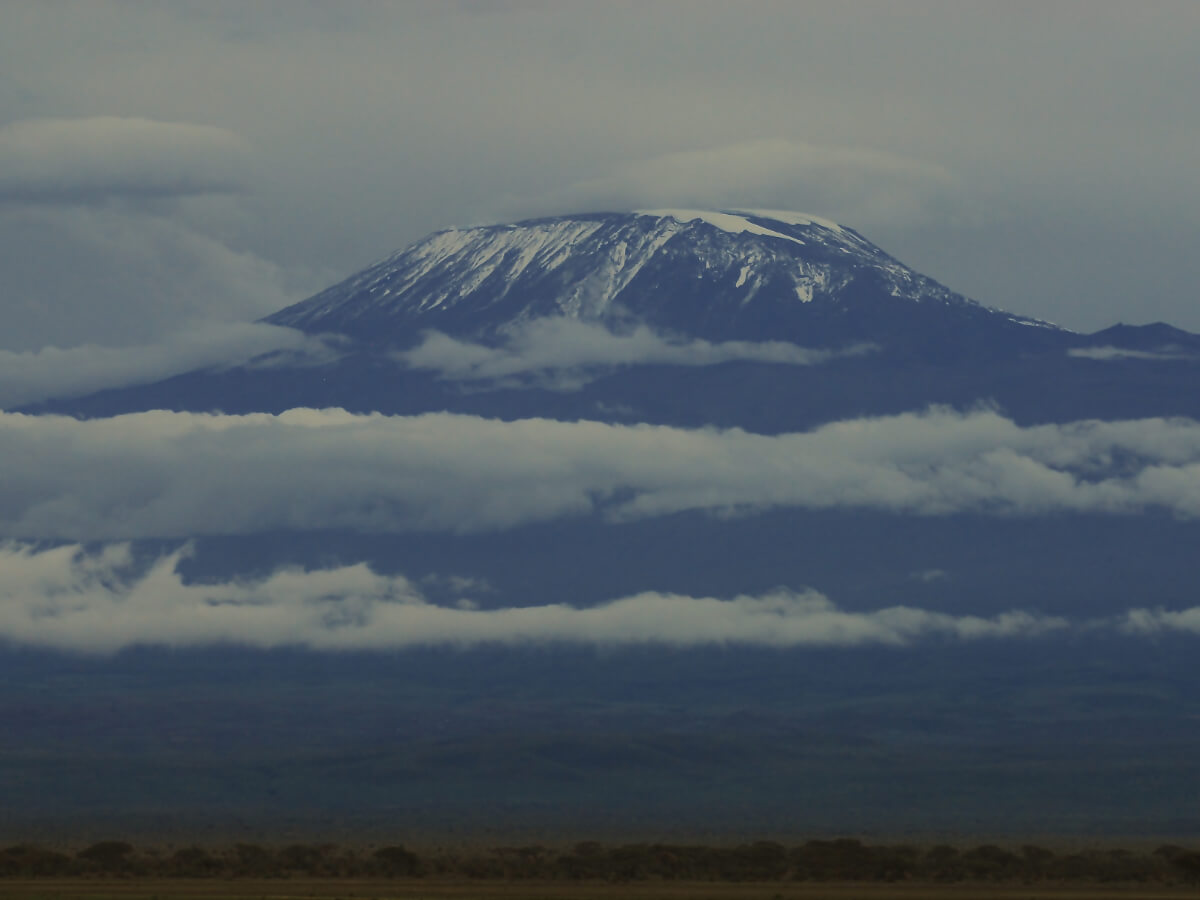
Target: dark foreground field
{"x": 238, "y": 889}
{"x": 842, "y": 868}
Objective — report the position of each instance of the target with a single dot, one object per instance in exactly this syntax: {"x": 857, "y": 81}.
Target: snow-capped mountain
{"x": 728, "y": 275}
{"x": 670, "y": 403}
{"x": 765, "y": 320}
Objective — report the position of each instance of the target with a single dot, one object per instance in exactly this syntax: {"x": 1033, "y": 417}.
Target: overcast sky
{"x": 169, "y": 164}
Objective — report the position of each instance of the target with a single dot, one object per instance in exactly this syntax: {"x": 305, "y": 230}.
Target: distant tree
{"x": 307, "y": 859}
{"x": 988, "y": 861}
{"x": 397, "y": 862}
{"x": 108, "y": 856}
{"x": 253, "y": 860}
{"x": 1188, "y": 862}
{"x": 193, "y": 862}
{"x": 30, "y": 861}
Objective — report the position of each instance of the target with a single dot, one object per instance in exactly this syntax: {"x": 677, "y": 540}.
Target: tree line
{"x": 843, "y": 859}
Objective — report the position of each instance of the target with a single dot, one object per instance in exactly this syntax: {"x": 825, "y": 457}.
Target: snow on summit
{"x": 735, "y": 220}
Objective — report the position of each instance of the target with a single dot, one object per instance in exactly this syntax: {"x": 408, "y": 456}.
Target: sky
{"x": 176, "y": 168}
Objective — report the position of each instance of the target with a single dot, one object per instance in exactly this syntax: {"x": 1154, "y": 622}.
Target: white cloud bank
{"x": 32, "y": 376}
{"x": 1158, "y": 621}
{"x": 98, "y": 601}
{"x": 1113, "y": 354}
{"x": 564, "y": 354}
{"x": 166, "y": 474}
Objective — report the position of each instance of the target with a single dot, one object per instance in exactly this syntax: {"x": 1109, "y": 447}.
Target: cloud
{"x": 564, "y": 354}
{"x": 1152, "y": 622}
{"x": 928, "y": 576}
{"x": 117, "y": 276}
{"x": 855, "y": 185}
{"x": 1106, "y": 354}
{"x": 101, "y": 601}
{"x": 531, "y": 97}
{"x": 168, "y": 474}
{"x": 86, "y": 160}
{"x": 33, "y": 376}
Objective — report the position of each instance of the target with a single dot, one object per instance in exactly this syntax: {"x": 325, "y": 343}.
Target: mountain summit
{"x": 719, "y": 275}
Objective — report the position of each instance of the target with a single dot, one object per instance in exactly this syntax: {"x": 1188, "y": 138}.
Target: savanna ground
{"x": 843, "y": 868}
{"x": 328, "y": 889}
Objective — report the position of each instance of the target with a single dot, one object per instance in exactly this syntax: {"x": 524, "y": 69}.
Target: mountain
{"x": 749, "y": 275}
{"x": 770, "y": 321}
{"x": 746, "y": 330}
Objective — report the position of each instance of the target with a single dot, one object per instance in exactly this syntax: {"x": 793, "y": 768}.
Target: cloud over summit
{"x": 856, "y": 185}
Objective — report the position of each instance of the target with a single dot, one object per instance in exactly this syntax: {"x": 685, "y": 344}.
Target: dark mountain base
{"x": 1081, "y": 566}
{"x": 759, "y": 397}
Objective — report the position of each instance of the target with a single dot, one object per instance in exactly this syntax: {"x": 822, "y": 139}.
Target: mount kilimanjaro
{"x": 766, "y": 320}
{"x": 748, "y": 330}
{"x": 744, "y": 275}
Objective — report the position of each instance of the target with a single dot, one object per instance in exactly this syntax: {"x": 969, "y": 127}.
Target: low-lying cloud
{"x": 101, "y": 601}
{"x": 170, "y": 474}
{"x": 33, "y": 376}
{"x": 1110, "y": 354}
{"x": 1158, "y": 621}
{"x": 565, "y": 354}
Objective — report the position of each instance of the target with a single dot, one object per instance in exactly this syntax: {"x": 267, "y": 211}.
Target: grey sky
{"x": 211, "y": 161}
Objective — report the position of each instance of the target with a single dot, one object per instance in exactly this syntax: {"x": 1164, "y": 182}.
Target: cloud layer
{"x": 123, "y": 274}
{"x": 564, "y": 354}
{"x": 119, "y": 230}
{"x": 103, "y": 600}
{"x": 88, "y": 159}
{"x": 1111, "y": 354}
{"x": 166, "y": 474}
{"x": 69, "y": 598}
